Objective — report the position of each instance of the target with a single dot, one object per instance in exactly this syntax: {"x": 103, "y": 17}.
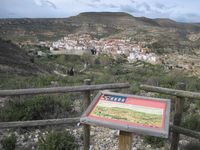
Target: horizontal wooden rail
{"x": 179, "y": 93}
{"x": 81, "y": 88}
{"x": 33, "y": 123}
{"x": 185, "y": 131}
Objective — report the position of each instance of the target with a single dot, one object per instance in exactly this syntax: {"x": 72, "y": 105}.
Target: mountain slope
{"x": 161, "y": 35}
{"x": 116, "y": 19}
{"x": 103, "y": 23}
{"x": 14, "y": 60}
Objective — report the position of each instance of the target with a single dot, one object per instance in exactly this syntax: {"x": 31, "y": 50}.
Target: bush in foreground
{"x": 57, "y": 140}
{"x": 36, "y": 108}
{"x": 192, "y": 122}
{"x": 9, "y": 142}
{"x": 154, "y": 141}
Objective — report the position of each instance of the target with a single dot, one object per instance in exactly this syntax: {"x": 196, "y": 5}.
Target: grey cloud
{"x": 181, "y": 18}
{"x": 130, "y": 9}
{"x": 137, "y": 8}
{"x": 104, "y": 5}
{"x": 25, "y": 8}
{"x": 193, "y": 15}
{"x": 109, "y": 5}
{"x": 164, "y": 6}
{"x": 88, "y": 1}
{"x": 189, "y": 17}
{"x": 43, "y": 3}
{"x": 160, "y": 6}
{"x": 46, "y": 8}
{"x": 91, "y": 5}
{"x": 144, "y": 5}
{"x": 51, "y": 4}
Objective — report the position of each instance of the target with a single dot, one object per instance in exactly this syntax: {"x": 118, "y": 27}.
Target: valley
{"x": 105, "y": 47}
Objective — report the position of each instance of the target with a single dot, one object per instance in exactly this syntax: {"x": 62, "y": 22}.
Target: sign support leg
{"x": 125, "y": 140}
{"x": 86, "y": 128}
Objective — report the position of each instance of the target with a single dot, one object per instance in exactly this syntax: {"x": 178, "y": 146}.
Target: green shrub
{"x": 120, "y": 59}
{"x": 9, "y": 142}
{"x": 154, "y": 141}
{"x": 61, "y": 59}
{"x": 198, "y": 105}
{"x": 89, "y": 59}
{"x": 105, "y": 60}
{"x": 57, "y": 140}
{"x": 36, "y": 108}
{"x": 192, "y": 122}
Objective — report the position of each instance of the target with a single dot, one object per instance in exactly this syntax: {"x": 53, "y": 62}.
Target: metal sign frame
{"x": 118, "y": 99}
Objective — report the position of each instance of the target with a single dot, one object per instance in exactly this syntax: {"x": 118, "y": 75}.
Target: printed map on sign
{"x": 130, "y": 110}
{"x": 131, "y": 113}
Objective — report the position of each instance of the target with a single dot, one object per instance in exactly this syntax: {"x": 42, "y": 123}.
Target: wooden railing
{"x": 179, "y": 103}
{"x": 85, "y": 89}
{"x": 52, "y": 90}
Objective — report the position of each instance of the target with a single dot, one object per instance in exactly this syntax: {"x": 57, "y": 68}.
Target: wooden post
{"x": 86, "y": 128}
{"x": 125, "y": 140}
{"x": 177, "y": 117}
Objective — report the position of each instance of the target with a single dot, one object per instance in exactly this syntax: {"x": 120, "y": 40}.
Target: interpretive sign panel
{"x": 131, "y": 113}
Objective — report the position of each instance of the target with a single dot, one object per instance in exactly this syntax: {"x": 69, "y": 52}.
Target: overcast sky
{"x": 179, "y": 10}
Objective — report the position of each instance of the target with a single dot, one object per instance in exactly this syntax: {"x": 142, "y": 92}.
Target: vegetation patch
{"x": 156, "y": 142}
{"x": 9, "y": 142}
{"x": 57, "y": 140}
{"x": 36, "y": 108}
{"x": 192, "y": 122}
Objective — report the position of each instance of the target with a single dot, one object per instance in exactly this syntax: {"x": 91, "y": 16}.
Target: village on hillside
{"x": 78, "y": 44}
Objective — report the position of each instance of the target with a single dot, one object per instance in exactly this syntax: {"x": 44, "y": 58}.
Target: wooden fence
{"x": 86, "y": 89}
{"x": 179, "y": 104}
